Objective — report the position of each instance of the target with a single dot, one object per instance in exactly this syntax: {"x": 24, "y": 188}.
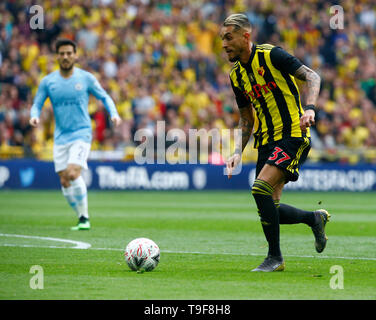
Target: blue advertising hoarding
{"x": 31, "y": 174}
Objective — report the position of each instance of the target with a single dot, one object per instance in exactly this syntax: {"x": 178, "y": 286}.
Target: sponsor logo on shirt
{"x": 258, "y": 89}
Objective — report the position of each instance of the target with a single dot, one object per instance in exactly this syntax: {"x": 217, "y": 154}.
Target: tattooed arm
{"x": 242, "y": 136}
{"x": 313, "y": 82}
{"x": 245, "y": 129}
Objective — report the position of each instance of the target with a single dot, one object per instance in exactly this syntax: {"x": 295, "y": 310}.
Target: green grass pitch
{"x": 209, "y": 242}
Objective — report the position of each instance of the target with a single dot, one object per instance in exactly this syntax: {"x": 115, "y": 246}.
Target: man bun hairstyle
{"x": 239, "y": 20}
{"x": 64, "y": 42}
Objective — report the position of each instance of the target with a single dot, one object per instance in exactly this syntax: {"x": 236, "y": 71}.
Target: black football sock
{"x": 292, "y": 215}
{"x": 262, "y": 192}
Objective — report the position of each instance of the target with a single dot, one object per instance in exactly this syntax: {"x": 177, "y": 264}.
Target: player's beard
{"x": 234, "y": 59}
{"x": 236, "y": 55}
{"x": 66, "y": 67}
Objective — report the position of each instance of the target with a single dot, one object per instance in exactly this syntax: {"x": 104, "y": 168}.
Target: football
{"x": 142, "y": 254}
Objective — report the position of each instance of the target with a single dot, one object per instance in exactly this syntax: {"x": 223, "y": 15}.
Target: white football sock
{"x": 79, "y": 194}
{"x": 68, "y": 194}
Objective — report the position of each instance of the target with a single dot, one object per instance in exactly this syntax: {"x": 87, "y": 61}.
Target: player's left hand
{"x": 307, "y": 120}
{"x": 116, "y": 121}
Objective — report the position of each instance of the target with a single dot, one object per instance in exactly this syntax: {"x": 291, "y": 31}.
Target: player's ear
{"x": 247, "y": 35}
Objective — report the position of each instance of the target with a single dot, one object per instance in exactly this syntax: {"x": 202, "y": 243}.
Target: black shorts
{"x": 287, "y": 154}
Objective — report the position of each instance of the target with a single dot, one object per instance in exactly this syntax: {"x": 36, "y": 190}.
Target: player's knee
{"x": 64, "y": 181}
{"x": 73, "y": 173}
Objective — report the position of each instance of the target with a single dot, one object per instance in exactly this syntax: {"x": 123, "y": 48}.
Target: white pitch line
{"x": 34, "y": 246}
{"x": 78, "y": 244}
{"x": 85, "y": 245}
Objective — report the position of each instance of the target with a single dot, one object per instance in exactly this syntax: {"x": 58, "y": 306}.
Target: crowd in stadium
{"x": 163, "y": 60}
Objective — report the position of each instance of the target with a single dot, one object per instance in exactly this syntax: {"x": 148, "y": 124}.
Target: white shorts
{"x": 76, "y": 152}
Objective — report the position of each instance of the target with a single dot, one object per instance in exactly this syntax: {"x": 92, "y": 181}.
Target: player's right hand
{"x": 34, "y": 122}
{"x": 231, "y": 164}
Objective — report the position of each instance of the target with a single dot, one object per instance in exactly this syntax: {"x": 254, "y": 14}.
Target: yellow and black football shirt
{"x": 267, "y": 82}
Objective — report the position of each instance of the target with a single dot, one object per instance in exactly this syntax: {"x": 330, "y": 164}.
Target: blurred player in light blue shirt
{"x": 69, "y": 89}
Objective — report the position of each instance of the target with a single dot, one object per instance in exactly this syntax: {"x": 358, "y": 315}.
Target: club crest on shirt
{"x": 261, "y": 71}
{"x": 78, "y": 86}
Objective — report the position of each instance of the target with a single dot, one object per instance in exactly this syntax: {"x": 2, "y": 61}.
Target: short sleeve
{"x": 284, "y": 61}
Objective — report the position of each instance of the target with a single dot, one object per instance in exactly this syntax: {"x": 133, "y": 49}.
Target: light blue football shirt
{"x": 70, "y": 99}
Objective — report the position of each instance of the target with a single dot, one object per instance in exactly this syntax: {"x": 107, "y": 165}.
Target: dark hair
{"x": 64, "y": 42}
